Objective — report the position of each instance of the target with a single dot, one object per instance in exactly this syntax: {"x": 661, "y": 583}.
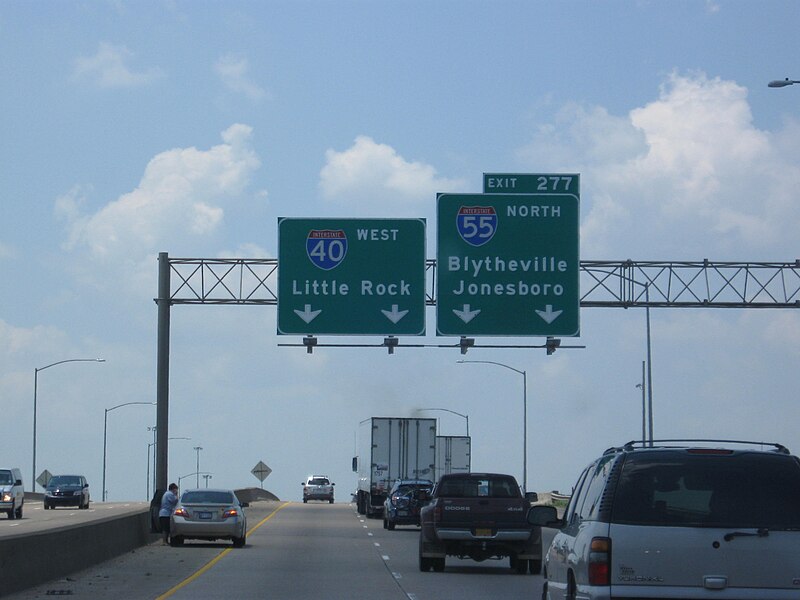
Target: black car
{"x": 66, "y": 490}
{"x": 403, "y": 503}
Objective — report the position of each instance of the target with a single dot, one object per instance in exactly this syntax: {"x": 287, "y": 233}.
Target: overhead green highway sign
{"x": 508, "y": 264}
{"x": 351, "y": 276}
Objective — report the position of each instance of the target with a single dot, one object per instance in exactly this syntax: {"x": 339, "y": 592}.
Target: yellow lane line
{"x": 217, "y": 558}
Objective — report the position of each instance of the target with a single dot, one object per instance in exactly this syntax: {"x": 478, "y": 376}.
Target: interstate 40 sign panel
{"x": 351, "y": 276}
{"x": 508, "y": 263}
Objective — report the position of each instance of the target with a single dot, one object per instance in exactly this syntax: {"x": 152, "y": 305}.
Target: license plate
{"x": 204, "y": 515}
{"x": 483, "y": 533}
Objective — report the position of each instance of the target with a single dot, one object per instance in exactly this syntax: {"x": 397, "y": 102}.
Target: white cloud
{"x": 688, "y": 172}
{"x": 108, "y": 68}
{"x": 233, "y": 71}
{"x": 373, "y": 178}
{"x": 178, "y": 199}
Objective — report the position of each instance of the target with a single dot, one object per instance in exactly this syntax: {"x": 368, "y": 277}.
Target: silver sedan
{"x": 209, "y": 514}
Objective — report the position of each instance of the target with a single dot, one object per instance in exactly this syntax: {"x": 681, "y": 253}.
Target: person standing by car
{"x": 168, "y": 502}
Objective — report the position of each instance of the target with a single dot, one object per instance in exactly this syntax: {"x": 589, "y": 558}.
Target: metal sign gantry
{"x": 603, "y": 284}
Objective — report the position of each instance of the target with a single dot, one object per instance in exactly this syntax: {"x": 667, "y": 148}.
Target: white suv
{"x": 318, "y": 487}
{"x": 12, "y": 496}
{"x": 679, "y": 519}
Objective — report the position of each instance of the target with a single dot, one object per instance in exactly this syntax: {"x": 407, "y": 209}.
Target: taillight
{"x": 182, "y": 512}
{"x": 600, "y": 561}
{"x": 231, "y": 512}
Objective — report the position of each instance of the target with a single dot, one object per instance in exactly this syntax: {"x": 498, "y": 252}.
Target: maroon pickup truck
{"x": 479, "y": 516}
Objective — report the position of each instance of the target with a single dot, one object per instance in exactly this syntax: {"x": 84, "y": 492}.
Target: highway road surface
{"x": 36, "y": 519}
{"x": 294, "y": 551}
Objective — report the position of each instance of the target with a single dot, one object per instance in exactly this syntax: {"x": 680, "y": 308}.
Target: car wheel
{"x": 12, "y": 514}
{"x": 19, "y": 512}
{"x": 535, "y": 566}
{"x": 438, "y": 564}
{"x": 330, "y": 501}
{"x": 544, "y": 591}
{"x": 385, "y": 523}
{"x": 424, "y": 564}
{"x": 305, "y": 500}
{"x": 390, "y": 525}
{"x": 239, "y": 542}
{"x": 175, "y": 541}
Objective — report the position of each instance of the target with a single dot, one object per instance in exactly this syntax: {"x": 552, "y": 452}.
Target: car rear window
{"x": 754, "y": 490}
{"x": 65, "y": 480}
{"x": 207, "y": 497}
{"x": 318, "y": 481}
{"x": 478, "y": 487}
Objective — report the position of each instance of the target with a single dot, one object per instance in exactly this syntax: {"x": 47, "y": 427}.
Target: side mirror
{"x": 543, "y": 516}
{"x": 531, "y": 496}
{"x": 333, "y": 483}
{"x": 244, "y": 504}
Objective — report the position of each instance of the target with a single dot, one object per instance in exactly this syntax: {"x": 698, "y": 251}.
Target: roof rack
{"x": 661, "y": 443}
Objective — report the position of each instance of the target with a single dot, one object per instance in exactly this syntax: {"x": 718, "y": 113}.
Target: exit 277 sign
{"x": 508, "y": 262}
{"x": 351, "y": 276}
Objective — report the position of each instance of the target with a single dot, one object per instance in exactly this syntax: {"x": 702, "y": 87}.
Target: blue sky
{"x": 131, "y": 128}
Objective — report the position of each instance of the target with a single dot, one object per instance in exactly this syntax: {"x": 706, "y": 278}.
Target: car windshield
{"x": 64, "y": 480}
{"x": 5, "y": 477}
{"x": 740, "y": 490}
{"x": 318, "y": 481}
{"x": 207, "y": 497}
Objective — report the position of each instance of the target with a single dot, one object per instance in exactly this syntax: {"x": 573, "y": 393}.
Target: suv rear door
{"x": 701, "y": 521}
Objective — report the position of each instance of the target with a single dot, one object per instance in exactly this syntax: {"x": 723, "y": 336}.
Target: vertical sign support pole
{"x": 162, "y": 374}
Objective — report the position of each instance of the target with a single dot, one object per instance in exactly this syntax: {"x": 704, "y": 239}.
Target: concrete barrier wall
{"x": 35, "y": 558}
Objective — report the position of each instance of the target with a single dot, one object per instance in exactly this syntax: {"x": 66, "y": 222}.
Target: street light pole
{"x": 524, "y": 416}
{"x": 182, "y": 477}
{"x": 778, "y": 83}
{"x": 35, "y": 390}
{"x": 197, "y": 449}
{"x": 649, "y": 366}
{"x": 452, "y": 412}
{"x": 644, "y": 409}
{"x": 105, "y": 437}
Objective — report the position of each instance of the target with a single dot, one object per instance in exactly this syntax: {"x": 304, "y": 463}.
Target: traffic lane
{"x": 362, "y": 559}
{"x": 35, "y": 519}
{"x": 462, "y": 579}
{"x": 304, "y": 551}
{"x": 147, "y": 572}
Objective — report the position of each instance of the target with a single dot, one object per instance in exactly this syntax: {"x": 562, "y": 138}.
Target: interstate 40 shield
{"x": 351, "y": 276}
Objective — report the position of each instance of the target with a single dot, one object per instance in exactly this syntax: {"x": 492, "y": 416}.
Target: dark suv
{"x": 679, "y": 519}
{"x": 66, "y": 490}
{"x": 404, "y": 502}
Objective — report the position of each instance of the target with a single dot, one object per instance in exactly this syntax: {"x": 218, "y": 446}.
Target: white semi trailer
{"x": 391, "y": 448}
{"x": 452, "y": 455}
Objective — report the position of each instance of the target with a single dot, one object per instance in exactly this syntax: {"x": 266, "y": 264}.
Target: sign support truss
{"x": 604, "y": 284}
